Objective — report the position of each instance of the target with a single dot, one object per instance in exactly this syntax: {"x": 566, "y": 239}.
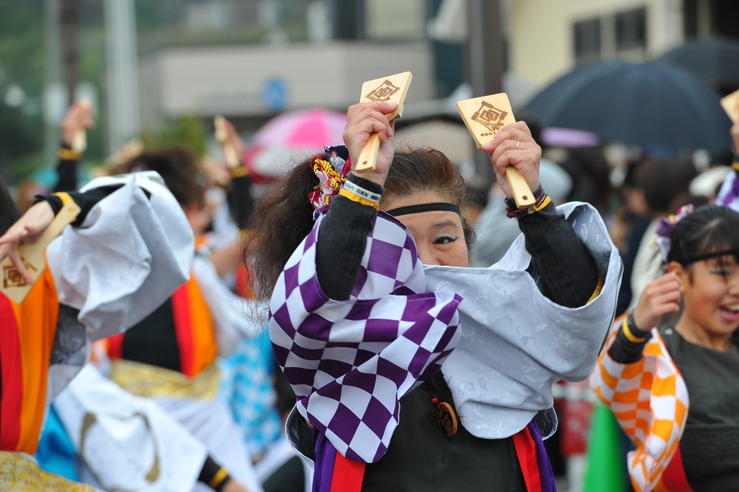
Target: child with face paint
{"x": 412, "y": 371}
{"x": 685, "y": 425}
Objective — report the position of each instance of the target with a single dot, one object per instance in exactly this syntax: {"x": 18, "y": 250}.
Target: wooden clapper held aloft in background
{"x": 391, "y": 89}
{"x": 484, "y": 116}
{"x": 730, "y": 104}
{"x": 79, "y": 141}
{"x": 229, "y": 153}
{"x": 33, "y": 256}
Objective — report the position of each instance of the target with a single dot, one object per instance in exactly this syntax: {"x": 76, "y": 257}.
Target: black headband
{"x": 707, "y": 256}
{"x": 425, "y": 207}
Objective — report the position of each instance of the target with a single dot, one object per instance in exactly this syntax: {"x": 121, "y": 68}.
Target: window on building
{"x": 631, "y": 29}
{"x": 587, "y": 39}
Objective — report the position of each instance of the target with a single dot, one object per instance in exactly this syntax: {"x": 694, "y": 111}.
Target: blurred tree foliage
{"x": 18, "y": 143}
{"x": 160, "y": 24}
{"x": 21, "y": 64}
{"x": 187, "y": 131}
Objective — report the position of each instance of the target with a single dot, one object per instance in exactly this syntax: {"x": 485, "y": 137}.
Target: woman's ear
{"x": 681, "y": 272}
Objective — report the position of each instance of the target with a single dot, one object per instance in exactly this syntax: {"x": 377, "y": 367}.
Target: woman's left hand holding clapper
{"x": 514, "y": 146}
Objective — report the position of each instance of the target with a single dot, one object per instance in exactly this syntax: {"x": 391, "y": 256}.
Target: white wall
{"x": 541, "y": 31}
{"x": 231, "y": 80}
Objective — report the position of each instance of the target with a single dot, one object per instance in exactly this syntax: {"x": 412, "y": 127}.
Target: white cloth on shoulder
{"x": 515, "y": 342}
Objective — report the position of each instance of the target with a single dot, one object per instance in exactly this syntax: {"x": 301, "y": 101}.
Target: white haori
{"x": 516, "y": 343}
{"x": 130, "y": 254}
{"x": 128, "y": 257}
{"x": 127, "y": 442}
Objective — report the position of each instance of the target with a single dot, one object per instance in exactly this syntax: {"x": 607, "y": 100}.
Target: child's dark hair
{"x": 710, "y": 231}
{"x": 179, "y": 169}
{"x": 285, "y": 216}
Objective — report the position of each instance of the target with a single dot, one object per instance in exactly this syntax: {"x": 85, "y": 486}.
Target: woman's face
{"x": 711, "y": 296}
{"x": 439, "y": 235}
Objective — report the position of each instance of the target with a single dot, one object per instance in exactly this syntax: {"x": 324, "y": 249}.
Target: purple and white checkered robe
{"x": 350, "y": 362}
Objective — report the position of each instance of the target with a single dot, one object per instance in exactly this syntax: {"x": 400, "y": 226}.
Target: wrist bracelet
{"x": 68, "y": 154}
{"x": 364, "y": 193}
{"x": 356, "y": 193}
{"x": 218, "y": 479}
{"x": 541, "y": 201}
{"x": 627, "y": 331}
{"x": 239, "y": 172}
{"x": 64, "y": 197}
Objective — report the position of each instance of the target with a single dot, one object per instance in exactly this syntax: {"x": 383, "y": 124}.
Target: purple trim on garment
{"x": 733, "y": 193}
{"x": 542, "y": 459}
{"x": 323, "y": 471}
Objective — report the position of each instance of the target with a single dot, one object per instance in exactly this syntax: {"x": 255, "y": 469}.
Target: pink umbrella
{"x": 291, "y": 137}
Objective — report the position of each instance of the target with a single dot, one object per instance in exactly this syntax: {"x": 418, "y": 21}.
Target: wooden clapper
{"x": 730, "y": 104}
{"x": 391, "y": 89}
{"x": 484, "y": 116}
{"x": 33, "y": 256}
{"x": 79, "y": 141}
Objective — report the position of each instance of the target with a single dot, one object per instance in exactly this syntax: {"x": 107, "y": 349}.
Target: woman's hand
{"x": 363, "y": 120}
{"x": 233, "y": 139}
{"x": 26, "y": 230}
{"x": 660, "y": 297}
{"x": 514, "y": 146}
{"x": 79, "y": 117}
{"x": 735, "y": 136}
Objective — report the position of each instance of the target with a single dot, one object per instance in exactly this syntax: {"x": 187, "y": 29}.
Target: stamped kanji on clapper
{"x": 484, "y": 117}
{"x": 391, "y": 89}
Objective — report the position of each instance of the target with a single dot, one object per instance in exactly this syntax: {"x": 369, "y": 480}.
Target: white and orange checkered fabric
{"x": 650, "y": 401}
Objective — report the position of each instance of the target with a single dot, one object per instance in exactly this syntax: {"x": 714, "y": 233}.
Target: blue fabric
{"x": 247, "y": 385}
{"x": 56, "y": 453}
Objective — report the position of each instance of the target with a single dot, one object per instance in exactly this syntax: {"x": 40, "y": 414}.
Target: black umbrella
{"x": 636, "y": 104}
{"x": 716, "y": 61}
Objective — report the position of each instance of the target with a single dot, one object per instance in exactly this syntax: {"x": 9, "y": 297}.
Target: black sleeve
{"x": 85, "y": 200}
{"x": 341, "y": 241}
{"x": 240, "y": 201}
{"x": 66, "y": 169}
{"x": 561, "y": 265}
{"x": 208, "y": 472}
{"x": 623, "y": 350}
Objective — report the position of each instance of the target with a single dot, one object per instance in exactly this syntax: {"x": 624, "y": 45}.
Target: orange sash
{"x": 27, "y": 332}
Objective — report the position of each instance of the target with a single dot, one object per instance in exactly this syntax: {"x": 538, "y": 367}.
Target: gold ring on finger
{"x": 518, "y": 142}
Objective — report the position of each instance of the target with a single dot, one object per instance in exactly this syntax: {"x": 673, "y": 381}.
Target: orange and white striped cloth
{"x": 650, "y": 401}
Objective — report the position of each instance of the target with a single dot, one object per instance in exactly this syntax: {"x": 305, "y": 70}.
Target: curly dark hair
{"x": 179, "y": 169}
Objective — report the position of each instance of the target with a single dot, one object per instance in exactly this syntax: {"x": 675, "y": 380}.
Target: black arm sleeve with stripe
{"x": 66, "y": 170}
{"x": 86, "y": 200}
{"x": 561, "y": 265}
{"x": 341, "y": 241}
{"x": 623, "y": 350}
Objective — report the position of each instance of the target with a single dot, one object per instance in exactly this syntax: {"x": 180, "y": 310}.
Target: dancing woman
{"x": 412, "y": 371}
